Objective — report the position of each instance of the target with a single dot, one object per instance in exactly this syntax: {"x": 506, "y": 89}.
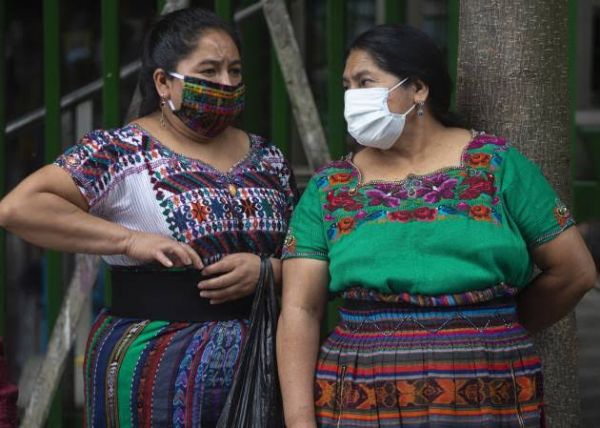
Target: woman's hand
{"x": 150, "y": 247}
{"x": 237, "y": 275}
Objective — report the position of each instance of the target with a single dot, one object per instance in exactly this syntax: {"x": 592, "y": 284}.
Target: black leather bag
{"x": 255, "y": 398}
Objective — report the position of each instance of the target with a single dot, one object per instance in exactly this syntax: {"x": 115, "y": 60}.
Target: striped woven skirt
{"x": 413, "y": 361}
{"x": 141, "y": 373}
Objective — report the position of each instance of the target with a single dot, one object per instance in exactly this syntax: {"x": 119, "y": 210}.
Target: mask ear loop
{"x": 397, "y": 85}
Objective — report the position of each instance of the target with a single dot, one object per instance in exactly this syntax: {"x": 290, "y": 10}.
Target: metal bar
{"x": 70, "y": 99}
{"x": 110, "y": 76}
{"x": 2, "y": 174}
{"x": 110, "y": 63}
{"x": 52, "y": 148}
{"x": 253, "y": 72}
{"x": 336, "y": 44}
{"x": 247, "y": 12}
{"x": 224, "y": 8}
{"x": 453, "y": 10}
{"x": 395, "y": 11}
{"x": 280, "y": 108}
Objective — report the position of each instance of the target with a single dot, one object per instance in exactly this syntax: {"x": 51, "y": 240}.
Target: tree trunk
{"x": 512, "y": 81}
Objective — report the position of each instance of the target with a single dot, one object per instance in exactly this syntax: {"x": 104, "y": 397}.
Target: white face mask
{"x": 369, "y": 119}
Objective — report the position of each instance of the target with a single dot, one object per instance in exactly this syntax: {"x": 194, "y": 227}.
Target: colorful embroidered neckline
{"x": 249, "y": 158}
{"x": 464, "y": 156}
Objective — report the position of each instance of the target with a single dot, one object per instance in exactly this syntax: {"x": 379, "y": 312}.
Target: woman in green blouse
{"x": 430, "y": 234}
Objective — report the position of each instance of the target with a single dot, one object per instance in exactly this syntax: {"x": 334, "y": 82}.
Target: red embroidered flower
{"x": 249, "y": 208}
{"x": 200, "y": 212}
{"x": 402, "y": 216}
{"x": 425, "y": 213}
{"x": 345, "y": 224}
{"x": 340, "y": 178}
{"x": 479, "y": 159}
{"x": 480, "y": 212}
{"x": 289, "y": 245}
{"x": 561, "y": 214}
{"x": 342, "y": 200}
{"x": 478, "y": 184}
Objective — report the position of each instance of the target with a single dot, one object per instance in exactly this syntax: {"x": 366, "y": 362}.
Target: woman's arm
{"x": 48, "y": 210}
{"x": 568, "y": 272}
{"x": 304, "y": 296}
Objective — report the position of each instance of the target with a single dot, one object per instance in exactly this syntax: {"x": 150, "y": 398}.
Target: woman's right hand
{"x": 150, "y": 247}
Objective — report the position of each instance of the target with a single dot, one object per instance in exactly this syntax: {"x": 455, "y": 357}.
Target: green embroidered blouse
{"x": 459, "y": 229}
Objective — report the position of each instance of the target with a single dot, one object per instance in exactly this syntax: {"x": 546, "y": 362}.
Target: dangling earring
{"x": 163, "y": 102}
{"x": 420, "y": 110}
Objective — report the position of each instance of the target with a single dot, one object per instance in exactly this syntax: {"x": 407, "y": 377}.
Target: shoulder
{"x": 334, "y": 174}
{"x": 486, "y": 151}
{"x": 125, "y": 139}
{"x": 103, "y": 149}
{"x": 265, "y": 149}
{"x": 268, "y": 156}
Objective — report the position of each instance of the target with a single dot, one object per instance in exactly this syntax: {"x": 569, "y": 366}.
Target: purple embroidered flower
{"x": 444, "y": 190}
{"x": 361, "y": 214}
{"x": 379, "y": 197}
{"x": 329, "y": 217}
{"x": 482, "y": 140}
{"x": 463, "y": 206}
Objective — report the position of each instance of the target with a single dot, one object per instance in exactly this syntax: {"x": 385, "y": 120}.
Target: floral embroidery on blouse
{"x": 467, "y": 191}
{"x": 561, "y": 213}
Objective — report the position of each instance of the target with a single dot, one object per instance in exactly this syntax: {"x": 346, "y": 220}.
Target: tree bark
{"x": 512, "y": 81}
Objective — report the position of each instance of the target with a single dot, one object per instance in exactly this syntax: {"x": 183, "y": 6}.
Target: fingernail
{"x": 202, "y": 294}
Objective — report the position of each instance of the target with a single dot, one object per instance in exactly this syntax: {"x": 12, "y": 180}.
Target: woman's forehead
{"x": 213, "y": 46}
{"x": 360, "y": 62}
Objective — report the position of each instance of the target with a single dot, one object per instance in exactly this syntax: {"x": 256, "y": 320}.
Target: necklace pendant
{"x": 233, "y": 190}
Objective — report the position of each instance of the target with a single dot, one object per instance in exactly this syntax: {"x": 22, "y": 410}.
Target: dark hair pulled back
{"x": 172, "y": 38}
{"x": 408, "y": 52}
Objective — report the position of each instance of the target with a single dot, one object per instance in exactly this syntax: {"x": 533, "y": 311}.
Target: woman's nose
{"x": 225, "y": 78}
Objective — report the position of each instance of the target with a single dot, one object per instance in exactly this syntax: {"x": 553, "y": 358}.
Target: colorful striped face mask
{"x": 207, "y": 108}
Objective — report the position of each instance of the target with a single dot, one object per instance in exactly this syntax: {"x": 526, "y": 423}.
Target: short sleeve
{"x": 288, "y": 182}
{"x": 306, "y": 237}
{"x": 92, "y": 163}
{"x": 531, "y": 201}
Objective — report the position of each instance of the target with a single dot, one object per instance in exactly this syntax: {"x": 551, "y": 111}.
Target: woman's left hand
{"x": 236, "y": 277}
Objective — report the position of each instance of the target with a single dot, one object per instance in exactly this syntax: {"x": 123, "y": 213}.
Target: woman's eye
{"x": 208, "y": 72}
{"x": 365, "y": 82}
{"x": 236, "y": 71}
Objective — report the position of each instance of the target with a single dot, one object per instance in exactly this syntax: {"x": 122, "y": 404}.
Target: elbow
{"x": 588, "y": 277}
{"x": 7, "y": 213}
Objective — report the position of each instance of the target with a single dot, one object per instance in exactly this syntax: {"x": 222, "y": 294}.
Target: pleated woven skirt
{"x": 412, "y": 361}
{"x": 141, "y": 373}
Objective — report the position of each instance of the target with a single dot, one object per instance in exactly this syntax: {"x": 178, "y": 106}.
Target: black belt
{"x": 168, "y": 295}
